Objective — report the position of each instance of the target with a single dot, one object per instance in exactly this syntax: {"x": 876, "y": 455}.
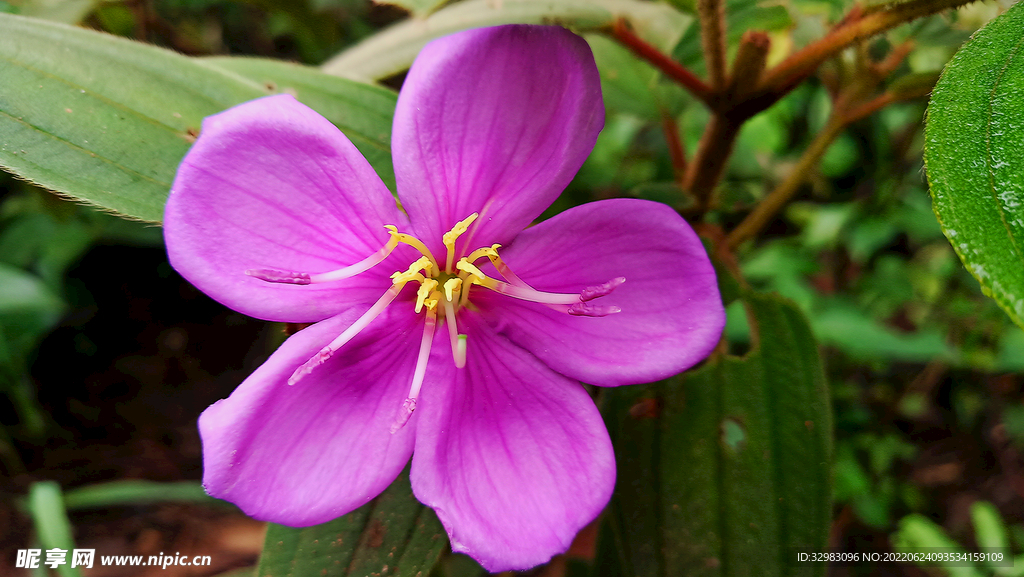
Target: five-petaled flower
{"x": 444, "y": 330}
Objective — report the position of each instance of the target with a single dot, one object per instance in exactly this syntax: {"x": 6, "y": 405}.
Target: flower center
{"x": 446, "y": 289}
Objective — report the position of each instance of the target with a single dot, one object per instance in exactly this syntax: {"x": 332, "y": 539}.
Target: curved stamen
{"x": 304, "y": 278}
{"x": 424, "y": 294}
{"x": 353, "y": 330}
{"x": 413, "y": 242}
{"x": 409, "y": 405}
{"x": 452, "y": 235}
{"x": 591, "y": 293}
{"x": 503, "y": 268}
{"x": 527, "y": 294}
{"x": 506, "y": 272}
{"x": 523, "y": 291}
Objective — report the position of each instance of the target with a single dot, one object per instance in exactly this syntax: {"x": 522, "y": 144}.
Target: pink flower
{"x": 469, "y": 358}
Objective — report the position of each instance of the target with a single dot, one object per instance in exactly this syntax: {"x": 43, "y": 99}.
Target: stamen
{"x": 413, "y": 242}
{"x": 466, "y": 266}
{"x": 353, "y": 330}
{"x": 450, "y": 288}
{"x": 465, "y": 293}
{"x": 588, "y": 310}
{"x": 523, "y": 291}
{"x": 490, "y": 252}
{"x": 503, "y": 269}
{"x": 409, "y": 405}
{"x": 527, "y": 294}
{"x": 591, "y": 293}
{"x": 280, "y": 276}
{"x": 304, "y": 278}
{"x": 452, "y": 235}
{"x": 426, "y": 287}
{"x": 413, "y": 272}
{"x": 404, "y": 414}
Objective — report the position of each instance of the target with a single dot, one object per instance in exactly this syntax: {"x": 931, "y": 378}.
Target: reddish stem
{"x": 669, "y": 67}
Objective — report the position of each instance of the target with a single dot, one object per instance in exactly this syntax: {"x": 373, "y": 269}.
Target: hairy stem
{"x": 665, "y": 64}
{"x": 711, "y": 157}
{"x": 712, "y": 34}
{"x": 751, "y": 58}
{"x": 858, "y": 25}
{"x": 676, "y": 151}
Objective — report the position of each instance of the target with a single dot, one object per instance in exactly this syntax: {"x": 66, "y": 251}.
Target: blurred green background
{"x": 107, "y": 356}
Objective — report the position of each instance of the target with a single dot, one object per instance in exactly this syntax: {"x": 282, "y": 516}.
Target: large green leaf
{"x": 393, "y": 50}
{"x": 723, "y": 470}
{"x": 362, "y": 111}
{"x": 973, "y": 136}
{"x": 102, "y": 118}
{"x": 107, "y": 120}
{"x": 393, "y": 536}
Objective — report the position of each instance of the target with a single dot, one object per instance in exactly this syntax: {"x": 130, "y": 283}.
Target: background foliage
{"x": 906, "y": 429}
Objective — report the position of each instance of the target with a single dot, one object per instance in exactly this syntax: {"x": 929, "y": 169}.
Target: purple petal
{"x": 672, "y": 314}
{"x": 496, "y": 121}
{"x": 271, "y": 184}
{"x": 513, "y": 457}
{"x": 310, "y": 452}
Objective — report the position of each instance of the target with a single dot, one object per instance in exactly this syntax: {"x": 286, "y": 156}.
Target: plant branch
{"x": 749, "y": 64}
{"x": 783, "y": 193}
{"x": 858, "y": 25}
{"x": 712, "y": 34}
{"x": 778, "y": 198}
{"x": 676, "y": 151}
{"x": 711, "y": 157}
{"x": 665, "y": 64}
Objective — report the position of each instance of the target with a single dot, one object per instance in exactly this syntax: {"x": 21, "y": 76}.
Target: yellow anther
{"x": 413, "y": 273}
{"x": 431, "y": 303}
{"x": 490, "y": 252}
{"x": 413, "y": 242}
{"x": 425, "y": 264}
{"x": 401, "y": 277}
{"x": 460, "y": 227}
{"x": 452, "y": 235}
{"x": 427, "y": 286}
{"x": 450, "y": 287}
{"x": 465, "y": 265}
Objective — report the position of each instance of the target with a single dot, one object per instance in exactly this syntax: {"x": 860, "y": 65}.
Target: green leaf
{"x": 849, "y": 329}
{"x": 989, "y": 530}
{"x": 393, "y": 50}
{"x": 916, "y": 532}
{"x": 136, "y": 492}
{"x": 101, "y": 118}
{"x": 46, "y": 505}
{"x": 362, "y": 111}
{"x": 724, "y": 469}
{"x": 392, "y": 536}
{"x": 975, "y": 125}
{"x": 28, "y": 309}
